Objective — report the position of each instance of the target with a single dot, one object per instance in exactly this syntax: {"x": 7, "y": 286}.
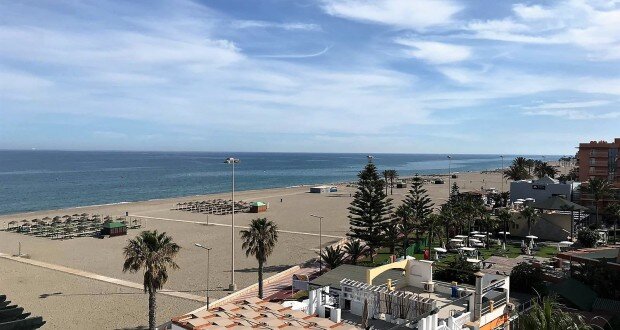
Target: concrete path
{"x": 227, "y": 225}
{"x": 102, "y": 278}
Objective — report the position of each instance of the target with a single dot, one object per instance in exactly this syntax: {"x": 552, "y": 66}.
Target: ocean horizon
{"x": 35, "y": 180}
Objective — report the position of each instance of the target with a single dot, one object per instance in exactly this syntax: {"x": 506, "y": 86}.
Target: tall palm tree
{"x": 599, "y": 189}
{"x": 259, "y": 241}
{"x": 153, "y": 253}
{"x": 520, "y": 162}
{"x": 391, "y": 235}
{"x": 406, "y": 226}
{"x": 543, "y": 169}
{"x": 332, "y": 257}
{"x": 548, "y": 316}
{"x": 614, "y": 211}
{"x": 530, "y": 215}
{"x": 392, "y": 176}
{"x": 516, "y": 173}
{"x": 386, "y": 177}
{"x": 506, "y": 218}
{"x": 355, "y": 249}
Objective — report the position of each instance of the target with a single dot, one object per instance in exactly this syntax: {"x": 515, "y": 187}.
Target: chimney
{"x": 478, "y": 297}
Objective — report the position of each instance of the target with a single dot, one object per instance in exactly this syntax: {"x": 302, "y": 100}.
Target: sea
{"x": 36, "y": 180}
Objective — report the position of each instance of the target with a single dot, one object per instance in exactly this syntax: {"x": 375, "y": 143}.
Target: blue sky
{"x": 429, "y": 76}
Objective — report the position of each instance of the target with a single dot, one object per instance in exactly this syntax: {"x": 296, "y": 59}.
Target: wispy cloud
{"x": 250, "y": 24}
{"x": 399, "y": 13}
{"x": 324, "y": 51}
{"x": 434, "y": 52}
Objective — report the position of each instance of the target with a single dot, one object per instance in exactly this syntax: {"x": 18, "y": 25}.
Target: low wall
{"x": 237, "y": 295}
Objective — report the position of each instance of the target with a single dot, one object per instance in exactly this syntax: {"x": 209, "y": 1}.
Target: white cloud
{"x": 435, "y": 52}
{"x": 569, "y": 105}
{"x": 586, "y": 24}
{"x": 248, "y": 24}
{"x": 409, "y": 14}
{"x": 575, "y": 114}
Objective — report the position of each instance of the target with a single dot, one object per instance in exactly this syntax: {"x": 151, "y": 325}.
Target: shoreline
{"x": 163, "y": 199}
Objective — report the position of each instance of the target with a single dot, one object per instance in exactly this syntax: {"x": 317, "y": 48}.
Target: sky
{"x": 398, "y": 76}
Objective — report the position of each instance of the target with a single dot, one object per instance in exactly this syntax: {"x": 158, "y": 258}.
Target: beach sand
{"x": 104, "y": 256}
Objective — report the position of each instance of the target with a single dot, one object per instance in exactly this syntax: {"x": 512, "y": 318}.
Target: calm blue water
{"x": 42, "y": 180}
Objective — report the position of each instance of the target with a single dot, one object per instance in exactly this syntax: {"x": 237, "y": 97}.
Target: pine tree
{"x": 419, "y": 202}
{"x": 370, "y": 211}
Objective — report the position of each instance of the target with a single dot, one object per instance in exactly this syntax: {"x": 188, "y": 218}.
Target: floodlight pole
{"x": 320, "y": 240}
{"x": 232, "y": 286}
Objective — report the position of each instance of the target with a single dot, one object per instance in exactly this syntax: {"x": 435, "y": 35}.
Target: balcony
{"x": 598, "y": 163}
{"x": 599, "y": 154}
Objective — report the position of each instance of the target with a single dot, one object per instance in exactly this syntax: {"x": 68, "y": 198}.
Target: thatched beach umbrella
{"x": 47, "y": 218}
{"x": 84, "y": 214}
{"x": 11, "y": 223}
{"x": 56, "y": 218}
{"x": 25, "y": 221}
{"x": 57, "y": 221}
{"x": 107, "y": 217}
{"x": 66, "y": 216}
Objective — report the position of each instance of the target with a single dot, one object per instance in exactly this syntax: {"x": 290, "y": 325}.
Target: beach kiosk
{"x": 319, "y": 189}
{"x": 114, "y": 228}
{"x": 258, "y": 207}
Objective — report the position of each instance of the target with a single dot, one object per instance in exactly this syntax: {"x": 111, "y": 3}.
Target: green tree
{"x": 505, "y": 217}
{"x": 153, "y": 253}
{"x": 418, "y": 201}
{"x": 404, "y": 218}
{"x": 332, "y": 257}
{"x": 587, "y": 238}
{"x": 391, "y": 236}
{"x": 370, "y": 211}
{"x": 543, "y": 169}
{"x": 515, "y": 173}
{"x": 598, "y": 189}
{"x": 386, "y": 177}
{"x": 447, "y": 219}
{"x": 613, "y": 210}
{"x": 530, "y": 215}
{"x": 259, "y": 240}
{"x": 355, "y": 249}
{"x": 392, "y": 176}
{"x": 549, "y": 316}
{"x": 527, "y": 279}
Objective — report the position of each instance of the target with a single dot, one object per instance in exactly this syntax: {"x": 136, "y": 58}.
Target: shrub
{"x": 587, "y": 238}
{"x": 527, "y": 279}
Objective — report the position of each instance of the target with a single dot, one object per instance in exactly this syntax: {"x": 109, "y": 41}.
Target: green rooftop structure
{"x": 114, "y": 228}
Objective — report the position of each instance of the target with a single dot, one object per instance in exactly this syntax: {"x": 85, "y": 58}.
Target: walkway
{"x": 227, "y": 225}
{"x": 102, "y": 278}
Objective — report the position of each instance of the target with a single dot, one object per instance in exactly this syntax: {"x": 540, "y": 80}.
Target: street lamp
{"x": 320, "y": 240}
{"x": 232, "y": 286}
{"x": 502, "y": 172}
{"x": 449, "y": 177}
{"x": 208, "y": 250}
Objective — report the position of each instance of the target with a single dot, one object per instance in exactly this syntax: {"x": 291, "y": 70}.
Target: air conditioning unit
{"x": 463, "y": 293}
{"x": 429, "y": 286}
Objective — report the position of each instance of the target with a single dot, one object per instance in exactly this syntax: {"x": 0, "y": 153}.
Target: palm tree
{"x": 259, "y": 240}
{"x": 530, "y": 215}
{"x": 506, "y": 218}
{"x": 543, "y": 169}
{"x": 516, "y": 173}
{"x": 432, "y": 221}
{"x": 153, "y": 253}
{"x": 391, "y": 235}
{"x": 332, "y": 257}
{"x": 599, "y": 189}
{"x": 520, "y": 162}
{"x": 392, "y": 176}
{"x": 406, "y": 225}
{"x": 355, "y": 249}
{"x": 614, "y": 211}
{"x": 386, "y": 177}
{"x": 548, "y": 316}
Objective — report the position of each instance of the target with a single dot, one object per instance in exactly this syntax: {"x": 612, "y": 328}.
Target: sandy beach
{"x": 290, "y": 208}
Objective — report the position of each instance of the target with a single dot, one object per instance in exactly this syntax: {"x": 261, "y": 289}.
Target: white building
{"x": 542, "y": 189}
{"x": 415, "y": 300}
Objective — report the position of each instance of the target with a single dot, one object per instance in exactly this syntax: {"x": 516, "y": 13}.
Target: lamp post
{"x": 208, "y": 252}
{"x": 232, "y": 287}
{"x": 449, "y": 178}
{"x": 501, "y": 173}
{"x": 320, "y": 240}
